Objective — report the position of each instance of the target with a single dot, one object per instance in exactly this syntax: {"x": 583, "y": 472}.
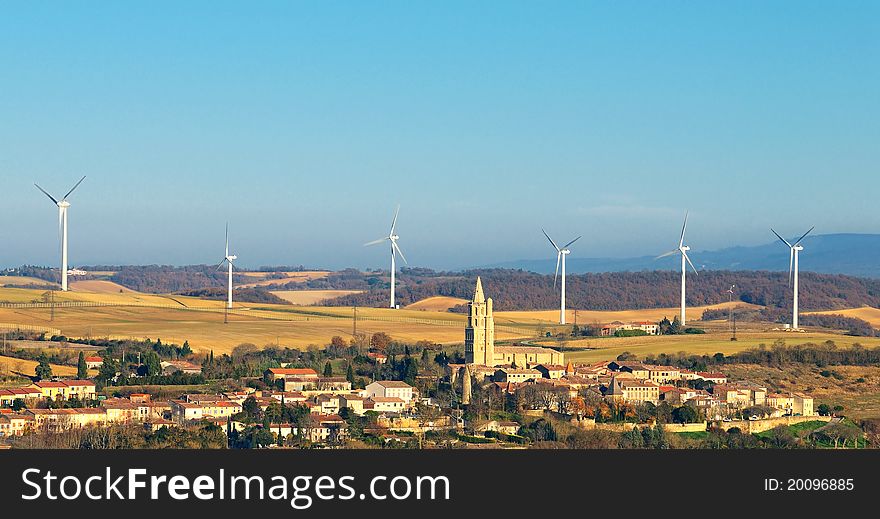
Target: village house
{"x": 279, "y": 373}
{"x": 633, "y": 390}
{"x": 94, "y": 362}
{"x": 25, "y": 394}
{"x": 553, "y": 371}
{"x": 390, "y": 389}
{"x": 15, "y": 424}
{"x": 715, "y": 378}
{"x": 382, "y": 404}
{"x": 170, "y": 367}
{"x": 352, "y": 402}
{"x": 742, "y": 394}
{"x": 663, "y": 374}
{"x": 186, "y": 411}
{"x": 64, "y": 390}
{"x": 505, "y": 427}
{"x": 650, "y": 328}
{"x": 378, "y": 358}
{"x": 515, "y": 375}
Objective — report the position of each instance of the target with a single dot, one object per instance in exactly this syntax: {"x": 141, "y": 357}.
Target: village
{"x": 493, "y": 397}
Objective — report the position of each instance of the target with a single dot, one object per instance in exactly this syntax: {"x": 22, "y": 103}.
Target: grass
{"x": 694, "y": 435}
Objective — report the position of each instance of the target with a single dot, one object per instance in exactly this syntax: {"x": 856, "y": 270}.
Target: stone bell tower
{"x": 479, "y": 335}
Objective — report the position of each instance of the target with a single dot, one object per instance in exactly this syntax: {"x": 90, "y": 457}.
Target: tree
{"x": 349, "y": 375}
{"x": 186, "y": 351}
{"x": 823, "y": 409}
{"x": 43, "y": 369}
{"x": 675, "y": 328}
{"x": 251, "y": 409}
{"x": 152, "y": 364}
{"x": 82, "y": 370}
{"x": 380, "y": 341}
{"x": 328, "y": 369}
{"x": 685, "y": 414}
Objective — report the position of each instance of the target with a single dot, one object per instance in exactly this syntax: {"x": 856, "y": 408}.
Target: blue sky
{"x": 305, "y": 123}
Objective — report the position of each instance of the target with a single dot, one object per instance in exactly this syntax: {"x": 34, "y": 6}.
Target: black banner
{"x": 402, "y": 483}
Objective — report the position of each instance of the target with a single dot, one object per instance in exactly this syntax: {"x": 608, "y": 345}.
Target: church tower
{"x": 479, "y": 335}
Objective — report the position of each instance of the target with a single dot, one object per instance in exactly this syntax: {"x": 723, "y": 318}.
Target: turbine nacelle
{"x": 64, "y": 204}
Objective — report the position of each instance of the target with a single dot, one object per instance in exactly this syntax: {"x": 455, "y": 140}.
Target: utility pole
{"x": 354, "y": 322}
{"x": 225, "y": 314}
{"x": 734, "y": 328}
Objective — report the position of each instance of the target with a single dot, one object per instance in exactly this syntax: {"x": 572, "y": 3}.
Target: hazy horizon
{"x": 304, "y": 128}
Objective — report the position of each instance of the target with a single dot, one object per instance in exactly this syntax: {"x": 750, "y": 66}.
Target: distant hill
{"x": 522, "y": 290}
{"x": 849, "y": 254}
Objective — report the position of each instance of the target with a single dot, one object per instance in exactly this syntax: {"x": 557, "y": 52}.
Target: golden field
{"x": 608, "y": 348}
{"x": 437, "y": 304}
{"x": 99, "y": 287}
{"x": 176, "y": 319}
{"x": 24, "y": 280}
{"x": 310, "y": 297}
{"x": 26, "y": 367}
{"x": 865, "y": 313}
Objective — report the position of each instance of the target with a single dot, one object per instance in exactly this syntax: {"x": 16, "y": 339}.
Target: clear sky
{"x": 305, "y": 123}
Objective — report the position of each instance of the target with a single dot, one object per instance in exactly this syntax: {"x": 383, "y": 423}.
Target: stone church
{"x": 479, "y": 340}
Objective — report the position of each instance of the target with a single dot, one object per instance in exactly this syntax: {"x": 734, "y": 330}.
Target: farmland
{"x": 107, "y": 312}
{"x": 608, "y": 348}
{"x": 310, "y": 297}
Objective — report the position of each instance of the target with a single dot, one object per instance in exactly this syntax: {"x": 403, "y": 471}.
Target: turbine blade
{"x": 220, "y": 265}
{"x": 376, "y": 242}
{"x": 804, "y": 236}
{"x": 790, "y": 264}
{"x": 227, "y": 239}
{"x": 781, "y": 238}
{"x": 551, "y": 240}
{"x": 567, "y": 245}
{"x": 558, "y": 257}
{"x": 689, "y": 262}
{"x": 74, "y": 187}
{"x": 667, "y": 254}
{"x": 396, "y": 247}
{"x": 52, "y": 198}
{"x": 683, "y": 228}
{"x": 394, "y": 221}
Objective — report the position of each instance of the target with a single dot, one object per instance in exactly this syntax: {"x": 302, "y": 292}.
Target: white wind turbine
{"x": 395, "y": 249}
{"x": 228, "y": 259}
{"x": 63, "y": 205}
{"x": 561, "y": 253}
{"x": 793, "y": 270}
{"x": 682, "y": 249}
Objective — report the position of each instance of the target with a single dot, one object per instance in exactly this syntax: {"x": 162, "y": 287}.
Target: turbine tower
{"x": 682, "y": 249}
{"x": 561, "y": 253}
{"x": 228, "y": 259}
{"x": 395, "y": 249}
{"x": 793, "y": 271}
{"x": 63, "y": 206}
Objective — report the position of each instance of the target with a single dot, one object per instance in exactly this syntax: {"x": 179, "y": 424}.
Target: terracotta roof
{"x": 293, "y": 371}
{"x": 393, "y": 383}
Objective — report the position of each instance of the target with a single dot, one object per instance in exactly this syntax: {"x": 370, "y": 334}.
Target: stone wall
{"x": 757, "y": 426}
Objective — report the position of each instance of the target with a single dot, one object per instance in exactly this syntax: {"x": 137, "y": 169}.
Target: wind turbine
{"x": 63, "y": 205}
{"x": 793, "y": 270}
{"x": 682, "y": 249}
{"x": 395, "y": 249}
{"x": 228, "y": 259}
{"x": 561, "y": 253}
